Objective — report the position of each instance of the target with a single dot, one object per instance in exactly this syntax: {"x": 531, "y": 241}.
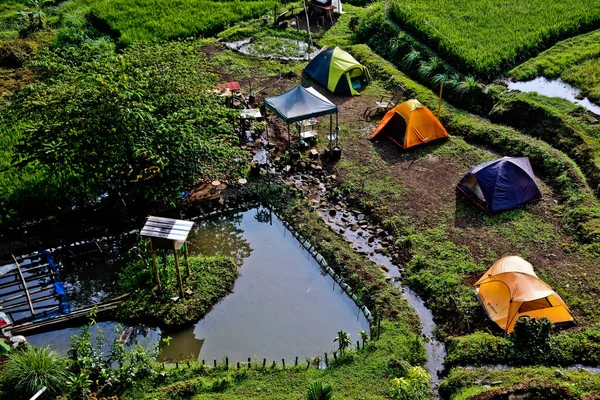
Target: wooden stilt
{"x": 155, "y": 266}
{"x": 187, "y": 263}
{"x": 24, "y": 285}
{"x": 179, "y": 281}
{"x": 289, "y": 137}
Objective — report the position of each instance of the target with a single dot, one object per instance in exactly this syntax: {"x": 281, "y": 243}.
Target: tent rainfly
{"x": 501, "y": 184}
{"x": 510, "y": 289}
{"x": 338, "y": 71}
{"x": 300, "y": 104}
{"x": 410, "y": 124}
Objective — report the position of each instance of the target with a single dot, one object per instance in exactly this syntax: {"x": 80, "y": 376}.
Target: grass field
{"x": 148, "y": 20}
{"x": 575, "y": 60}
{"x": 493, "y": 35}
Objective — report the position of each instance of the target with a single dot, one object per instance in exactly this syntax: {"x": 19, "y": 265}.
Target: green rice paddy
{"x": 487, "y": 36}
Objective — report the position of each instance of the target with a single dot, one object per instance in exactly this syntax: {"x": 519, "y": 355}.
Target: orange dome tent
{"x": 510, "y": 289}
{"x": 410, "y": 124}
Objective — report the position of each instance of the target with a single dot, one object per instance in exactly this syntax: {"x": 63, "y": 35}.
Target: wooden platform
{"x": 74, "y": 318}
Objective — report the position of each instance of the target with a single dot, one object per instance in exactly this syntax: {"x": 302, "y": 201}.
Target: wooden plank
{"x": 24, "y": 286}
{"x": 29, "y": 301}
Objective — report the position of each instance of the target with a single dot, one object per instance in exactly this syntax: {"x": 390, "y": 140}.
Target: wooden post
{"x": 215, "y": 363}
{"x": 264, "y": 362}
{"x": 24, "y": 285}
{"x": 203, "y": 362}
{"x": 283, "y": 362}
{"x": 249, "y": 363}
{"x": 273, "y": 365}
{"x": 187, "y": 263}
{"x": 155, "y": 266}
{"x": 307, "y": 25}
{"x": 334, "y": 356}
{"x": 296, "y": 362}
{"x": 238, "y": 365}
{"x": 358, "y": 345}
{"x": 289, "y": 137}
{"x": 226, "y": 362}
{"x": 326, "y": 360}
{"x": 440, "y": 100}
{"x": 179, "y": 281}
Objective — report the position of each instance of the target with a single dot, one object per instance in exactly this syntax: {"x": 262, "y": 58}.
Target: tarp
{"x": 510, "y": 289}
{"x": 501, "y": 184}
{"x": 338, "y": 71}
{"x": 299, "y": 104}
{"x": 410, "y": 124}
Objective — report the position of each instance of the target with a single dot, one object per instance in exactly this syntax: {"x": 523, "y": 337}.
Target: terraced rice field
{"x": 488, "y": 36}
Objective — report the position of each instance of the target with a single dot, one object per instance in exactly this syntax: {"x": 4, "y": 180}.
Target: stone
{"x": 314, "y": 154}
{"x": 332, "y": 212}
{"x": 360, "y": 217}
{"x": 342, "y": 231}
{"x": 354, "y": 227}
{"x": 384, "y": 267}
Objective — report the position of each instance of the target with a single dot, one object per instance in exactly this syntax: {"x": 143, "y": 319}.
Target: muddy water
{"x": 554, "y": 88}
{"x": 282, "y": 305}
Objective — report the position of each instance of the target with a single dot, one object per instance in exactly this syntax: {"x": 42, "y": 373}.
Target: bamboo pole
{"x": 440, "y": 100}
{"x": 24, "y": 285}
{"x": 179, "y": 281}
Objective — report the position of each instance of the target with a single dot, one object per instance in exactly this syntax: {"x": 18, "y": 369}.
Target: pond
{"x": 274, "y": 48}
{"x": 554, "y": 88}
{"x": 283, "y": 306}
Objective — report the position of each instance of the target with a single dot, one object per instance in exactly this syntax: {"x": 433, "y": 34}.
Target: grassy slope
{"x": 575, "y": 60}
{"x": 487, "y": 37}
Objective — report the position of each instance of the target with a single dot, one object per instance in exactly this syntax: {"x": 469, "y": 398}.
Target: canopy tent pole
{"x": 337, "y": 129}
{"x": 330, "y": 130}
{"x": 289, "y": 137}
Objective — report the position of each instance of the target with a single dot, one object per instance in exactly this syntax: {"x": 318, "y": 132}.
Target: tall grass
{"x": 30, "y": 369}
{"x": 149, "y": 20}
{"x": 486, "y": 36}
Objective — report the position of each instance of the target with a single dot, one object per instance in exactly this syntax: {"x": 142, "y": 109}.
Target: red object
{"x": 233, "y": 86}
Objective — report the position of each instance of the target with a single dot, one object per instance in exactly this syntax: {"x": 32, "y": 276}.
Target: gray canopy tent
{"x": 303, "y": 103}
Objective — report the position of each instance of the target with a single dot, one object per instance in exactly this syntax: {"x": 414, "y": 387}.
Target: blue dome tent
{"x": 501, "y": 184}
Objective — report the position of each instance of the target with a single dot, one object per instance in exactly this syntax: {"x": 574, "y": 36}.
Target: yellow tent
{"x": 510, "y": 289}
{"x": 410, "y": 124}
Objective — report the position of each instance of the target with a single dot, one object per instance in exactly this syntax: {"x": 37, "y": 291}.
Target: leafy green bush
{"x": 413, "y": 386}
{"x": 31, "y": 368}
{"x": 13, "y": 53}
{"x": 177, "y": 131}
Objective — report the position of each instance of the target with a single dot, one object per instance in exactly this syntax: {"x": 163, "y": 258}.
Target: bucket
{"x": 336, "y": 153}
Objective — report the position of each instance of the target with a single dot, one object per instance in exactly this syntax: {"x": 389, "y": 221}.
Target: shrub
{"x": 14, "y": 53}
{"x": 31, "y": 368}
{"x": 476, "y": 349}
{"x": 318, "y": 391}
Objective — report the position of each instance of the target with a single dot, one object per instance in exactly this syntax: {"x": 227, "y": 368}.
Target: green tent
{"x": 338, "y": 71}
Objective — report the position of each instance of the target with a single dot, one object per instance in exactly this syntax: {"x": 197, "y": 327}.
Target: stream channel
{"x": 283, "y": 305}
